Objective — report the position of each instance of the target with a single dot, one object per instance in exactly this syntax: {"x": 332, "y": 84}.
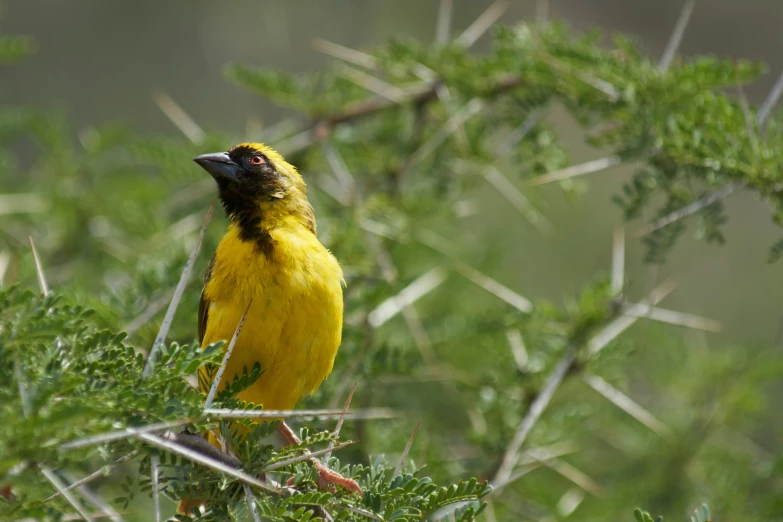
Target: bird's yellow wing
{"x": 203, "y": 305}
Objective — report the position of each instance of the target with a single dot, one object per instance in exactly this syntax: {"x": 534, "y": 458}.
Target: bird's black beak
{"x": 219, "y": 165}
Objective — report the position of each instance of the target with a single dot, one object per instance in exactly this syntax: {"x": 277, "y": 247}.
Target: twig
{"x": 341, "y": 172}
{"x": 18, "y": 370}
{"x": 677, "y": 34}
{"x": 622, "y": 323}
{"x": 332, "y": 187}
{"x": 143, "y": 318}
{"x": 372, "y": 83}
{"x": 750, "y": 122}
{"x": 618, "y": 259}
{"x": 443, "y": 25}
{"x": 409, "y": 313}
{"x": 533, "y": 414}
{"x": 368, "y": 337}
{"x": 5, "y": 262}
{"x": 518, "y": 351}
{"x": 761, "y": 117}
{"x": 672, "y": 317}
{"x": 121, "y": 434}
{"x": 39, "y": 269}
{"x": 416, "y": 95}
{"x": 177, "y": 115}
{"x": 420, "y": 287}
{"x": 493, "y": 287}
{"x": 219, "y": 376}
{"x": 405, "y": 451}
{"x": 345, "y": 53}
{"x": 200, "y": 444}
{"x": 653, "y": 271}
{"x": 371, "y": 413}
{"x": 307, "y": 137}
{"x": 176, "y": 297}
{"x": 771, "y": 100}
{"x": 533, "y": 459}
{"x": 548, "y": 452}
{"x": 339, "y": 426}
{"x": 443, "y": 246}
{"x": 197, "y": 457}
{"x": 104, "y": 508}
{"x": 444, "y": 95}
{"x": 327, "y": 516}
{"x": 577, "y": 170}
{"x": 629, "y": 406}
{"x": 611, "y": 92}
{"x": 452, "y": 124}
{"x": 94, "y": 475}
{"x": 691, "y": 209}
{"x": 481, "y": 24}
{"x": 307, "y": 455}
{"x": 576, "y": 476}
{"x": 60, "y": 487}
{"x": 377, "y": 228}
{"x": 251, "y": 503}
{"x": 519, "y": 133}
{"x": 155, "y": 472}
{"x": 515, "y": 198}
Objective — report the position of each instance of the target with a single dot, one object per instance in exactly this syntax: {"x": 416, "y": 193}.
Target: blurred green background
{"x": 100, "y": 62}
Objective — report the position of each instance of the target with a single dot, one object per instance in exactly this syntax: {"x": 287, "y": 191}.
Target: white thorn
{"x": 176, "y": 297}
{"x": 618, "y": 259}
{"x": 420, "y": 287}
{"x": 481, "y": 24}
{"x": 177, "y": 115}
{"x": 622, "y": 323}
{"x": 219, "y": 376}
{"x": 677, "y": 34}
{"x": 443, "y": 26}
{"x": 588, "y": 167}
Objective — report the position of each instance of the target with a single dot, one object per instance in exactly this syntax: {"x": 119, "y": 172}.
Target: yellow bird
{"x": 271, "y": 259}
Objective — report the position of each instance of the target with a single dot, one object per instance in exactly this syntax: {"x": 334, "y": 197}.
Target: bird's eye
{"x": 256, "y": 159}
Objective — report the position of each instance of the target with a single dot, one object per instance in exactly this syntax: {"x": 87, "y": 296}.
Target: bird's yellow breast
{"x": 293, "y": 326}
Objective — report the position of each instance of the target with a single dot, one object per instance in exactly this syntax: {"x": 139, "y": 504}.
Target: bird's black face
{"x": 245, "y": 178}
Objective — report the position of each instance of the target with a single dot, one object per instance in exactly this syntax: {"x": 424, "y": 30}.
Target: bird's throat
{"x": 253, "y": 229}
{"x": 248, "y": 217}
{"x": 256, "y": 217}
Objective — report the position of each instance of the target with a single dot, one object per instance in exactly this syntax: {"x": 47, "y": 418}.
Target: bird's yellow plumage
{"x": 271, "y": 259}
{"x": 270, "y": 256}
{"x": 294, "y": 323}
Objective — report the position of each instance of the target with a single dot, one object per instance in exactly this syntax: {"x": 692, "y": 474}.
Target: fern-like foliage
{"x": 81, "y": 381}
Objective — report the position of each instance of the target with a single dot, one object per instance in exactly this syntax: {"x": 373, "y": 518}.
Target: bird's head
{"x": 253, "y": 176}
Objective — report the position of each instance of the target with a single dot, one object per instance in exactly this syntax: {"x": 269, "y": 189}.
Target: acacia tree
{"x": 395, "y": 143}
